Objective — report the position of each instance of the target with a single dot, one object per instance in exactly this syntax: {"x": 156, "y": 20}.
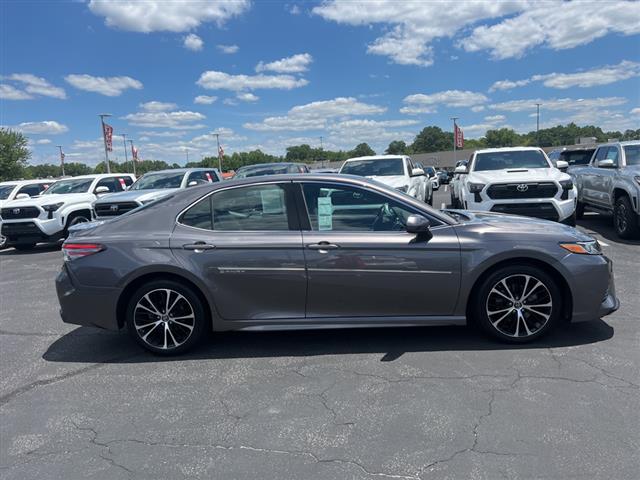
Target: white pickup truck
{"x": 67, "y": 202}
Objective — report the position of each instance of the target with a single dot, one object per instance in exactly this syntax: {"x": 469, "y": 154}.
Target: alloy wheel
{"x": 621, "y": 217}
{"x": 164, "y": 319}
{"x": 519, "y": 305}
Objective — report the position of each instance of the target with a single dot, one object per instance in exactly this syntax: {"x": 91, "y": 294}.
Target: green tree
{"x": 44, "y": 170}
{"x": 432, "y": 139}
{"x": 14, "y": 154}
{"x": 396, "y": 147}
{"x": 503, "y": 137}
{"x": 76, "y": 168}
{"x": 362, "y": 150}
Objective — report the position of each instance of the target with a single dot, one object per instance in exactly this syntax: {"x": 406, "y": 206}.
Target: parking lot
{"x": 415, "y": 403}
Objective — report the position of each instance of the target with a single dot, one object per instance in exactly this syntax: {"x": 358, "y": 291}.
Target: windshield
{"x": 258, "y": 172}
{"x": 509, "y": 160}
{"x": 374, "y": 167}
{"x": 5, "y": 191}
{"x": 73, "y": 185}
{"x": 153, "y": 181}
{"x": 632, "y": 154}
{"x": 577, "y": 157}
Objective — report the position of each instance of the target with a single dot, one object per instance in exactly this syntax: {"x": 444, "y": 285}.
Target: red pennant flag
{"x": 459, "y": 137}
{"x": 134, "y": 153}
{"x": 108, "y": 136}
{"x": 220, "y": 152}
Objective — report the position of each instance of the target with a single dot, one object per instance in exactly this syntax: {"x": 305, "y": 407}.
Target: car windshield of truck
{"x": 258, "y": 172}
{"x": 577, "y": 157}
{"x": 510, "y": 160}
{"x": 5, "y": 191}
{"x": 73, "y": 185}
{"x": 374, "y": 168}
{"x": 155, "y": 181}
{"x": 632, "y": 154}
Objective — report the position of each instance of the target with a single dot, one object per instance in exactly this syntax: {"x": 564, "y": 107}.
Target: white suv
{"x": 67, "y": 202}
{"x": 517, "y": 180}
{"x": 396, "y": 171}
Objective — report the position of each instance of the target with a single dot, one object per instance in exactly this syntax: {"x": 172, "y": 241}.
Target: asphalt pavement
{"x": 413, "y": 403}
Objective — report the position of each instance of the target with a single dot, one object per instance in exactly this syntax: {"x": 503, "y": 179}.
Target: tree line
{"x": 15, "y": 153}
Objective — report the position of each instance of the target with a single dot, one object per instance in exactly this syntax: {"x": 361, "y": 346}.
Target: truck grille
{"x": 21, "y": 229}
{"x": 16, "y": 213}
{"x": 522, "y": 190}
{"x": 538, "y": 210}
{"x": 114, "y": 209}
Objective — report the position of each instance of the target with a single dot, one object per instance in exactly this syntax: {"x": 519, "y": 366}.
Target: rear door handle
{"x": 323, "y": 246}
{"x": 198, "y": 246}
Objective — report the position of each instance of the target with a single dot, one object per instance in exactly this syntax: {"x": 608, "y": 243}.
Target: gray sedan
{"x": 321, "y": 251}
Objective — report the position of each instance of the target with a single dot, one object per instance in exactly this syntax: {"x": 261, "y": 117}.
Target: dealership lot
{"x": 77, "y": 402}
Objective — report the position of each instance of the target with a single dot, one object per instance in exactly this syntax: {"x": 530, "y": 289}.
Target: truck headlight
{"x": 51, "y": 208}
{"x": 475, "y": 187}
{"x": 567, "y": 186}
{"x": 403, "y": 188}
{"x": 637, "y": 180}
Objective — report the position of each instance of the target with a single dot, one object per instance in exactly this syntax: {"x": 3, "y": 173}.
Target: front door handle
{"x": 323, "y": 246}
{"x": 198, "y": 246}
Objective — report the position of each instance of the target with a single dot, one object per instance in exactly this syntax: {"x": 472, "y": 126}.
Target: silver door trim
{"x": 259, "y": 269}
{"x": 371, "y": 270}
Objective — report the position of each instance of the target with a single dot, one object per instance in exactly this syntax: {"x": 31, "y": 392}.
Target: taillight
{"x": 71, "y": 251}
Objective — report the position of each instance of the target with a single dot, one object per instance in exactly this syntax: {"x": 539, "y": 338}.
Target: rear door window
{"x": 111, "y": 183}
{"x": 32, "y": 190}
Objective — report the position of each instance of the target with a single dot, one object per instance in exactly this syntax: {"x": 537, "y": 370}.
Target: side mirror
{"x": 192, "y": 183}
{"x": 22, "y": 196}
{"x": 461, "y": 170}
{"x": 102, "y": 189}
{"x": 606, "y": 163}
{"x": 417, "y": 172}
{"x": 419, "y": 225}
{"x": 562, "y": 165}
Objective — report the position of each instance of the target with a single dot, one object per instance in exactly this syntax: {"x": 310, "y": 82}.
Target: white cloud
{"x": 560, "y": 104}
{"x": 193, "y": 42}
{"x": 214, "y": 80}
{"x": 313, "y": 116}
{"x": 155, "y": 106}
{"x": 477, "y": 108}
{"x": 43, "y": 141}
{"x": 172, "y": 16}
{"x": 588, "y": 78}
{"x": 109, "y": 86}
{"x": 555, "y": 24}
{"x": 167, "y": 134}
{"x": 228, "y": 49}
{"x": 635, "y": 111}
{"x": 495, "y": 118}
{"x": 37, "y": 85}
{"x": 9, "y": 92}
{"x": 295, "y": 10}
{"x": 48, "y": 127}
{"x": 247, "y": 97}
{"x": 295, "y": 64}
{"x": 174, "y": 120}
{"x": 230, "y": 101}
{"x": 205, "y": 99}
{"x": 421, "y": 103}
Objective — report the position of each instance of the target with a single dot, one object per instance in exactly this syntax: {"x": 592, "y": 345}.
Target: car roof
{"x": 27, "y": 182}
{"x": 375, "y": 157}
{"x": 507, "y": 149}
{"x": 273, "y": 164}
{"x": 622, "y": 144}
{"x": 97, "y": 175}
{"x": 184, "y": 170}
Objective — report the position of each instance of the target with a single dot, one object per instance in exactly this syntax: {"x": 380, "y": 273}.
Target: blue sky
{"x": 268, "y": 74}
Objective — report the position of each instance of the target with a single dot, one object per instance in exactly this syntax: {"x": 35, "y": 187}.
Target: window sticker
{"x": 325, "y": 213}
{"x": 272, "y": 200}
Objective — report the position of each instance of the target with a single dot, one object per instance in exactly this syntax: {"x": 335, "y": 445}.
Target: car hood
{"x": 394, "y": 181}
{"x": 494, "y": 224}
{"x": 136, "y": 195}
{"x": 518, "y": 175}
{"x": 50, "y": 199}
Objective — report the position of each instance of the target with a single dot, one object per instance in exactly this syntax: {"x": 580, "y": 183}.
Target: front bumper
{"x": 88, "y": 306}
{"x": 26, "y": 231}
{"x": 545, "y": 208}
{"x": 585, "y": 305}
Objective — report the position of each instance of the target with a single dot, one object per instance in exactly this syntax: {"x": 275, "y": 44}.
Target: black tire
{"x": 74, "y": 219}
{"x": 579, "y": 210}
{"x": 571, "y": 221}
{"x": 24, "y": 247}
{"x": 625, "y": 220}
{"x": 430, "y": 200}
{"x": 154, "y": 337}
{"x": 509, "y": 328}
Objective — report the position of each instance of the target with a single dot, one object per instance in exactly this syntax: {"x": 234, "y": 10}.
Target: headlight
{"x": 53, "y": 207}
{"x": 403, "y": 189}
{"x": 583, "y": 248}
{"x": 475, "y": 187}
{"x": 637, "y": 180}
{"x": 566, "y": 184}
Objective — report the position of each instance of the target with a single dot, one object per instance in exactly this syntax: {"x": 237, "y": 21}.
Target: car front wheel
{"x": 624, "y": 219}
{"x": 518, "y": 304}
{"x": 166, "y": 317}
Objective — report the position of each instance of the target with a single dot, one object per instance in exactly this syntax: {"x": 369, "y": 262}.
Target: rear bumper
{"x": 88, "y": 306}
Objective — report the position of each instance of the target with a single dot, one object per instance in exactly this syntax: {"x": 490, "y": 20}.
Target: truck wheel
{"x": 571, "y": 221}
{"x": 624, "y": 219}
{"x": 579, "y": 210}
{"x": 74, "y": 219}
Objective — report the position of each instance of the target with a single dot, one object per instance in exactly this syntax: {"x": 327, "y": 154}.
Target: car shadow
{"x": 91, "y": 345}
{"x": 603, "y": 226}
{"x": 40, "y": 248}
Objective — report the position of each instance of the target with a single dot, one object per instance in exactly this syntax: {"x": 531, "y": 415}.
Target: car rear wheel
{"x": 518, "y": 304}
{"x": 166, "y": 317}
{"x": 624, "y": 219}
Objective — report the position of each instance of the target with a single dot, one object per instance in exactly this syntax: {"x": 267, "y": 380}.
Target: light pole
{"x": 106, "y": 154}
{"x": 218, "y": 152}
{"x": 133, "y": 157}
{"x": 321, "y": 153}
{"x": 538, "y": 124}
{"x": 61, "y": 158}
{"x": 454, "y": 139}
{"x": 124, "y": 142}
